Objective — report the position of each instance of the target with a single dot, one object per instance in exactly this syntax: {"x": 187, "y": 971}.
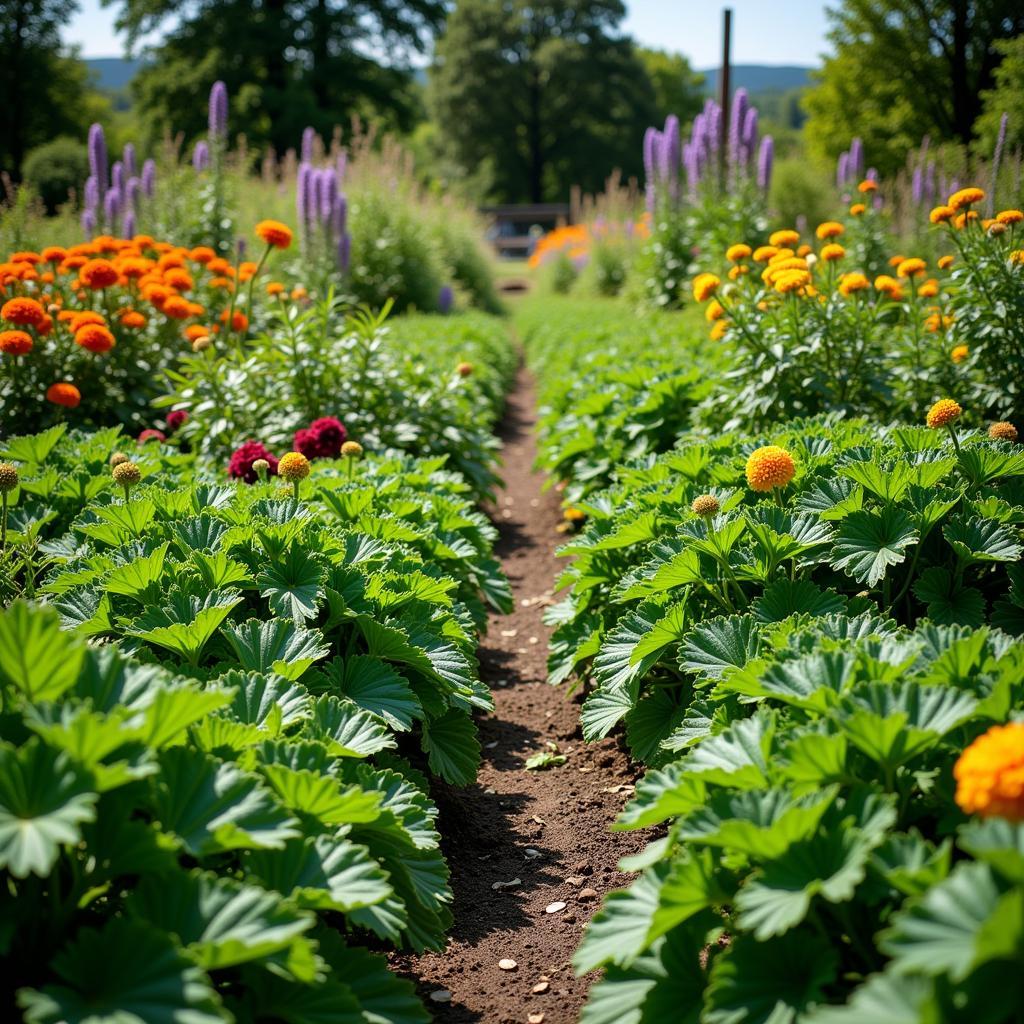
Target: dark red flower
{"x": 330, "y": 435}
{"x": 306, "y": 441}
{"x": 175, "y": 419}
{"x": 241, "y": 462}
{"x": 152, "y": 435}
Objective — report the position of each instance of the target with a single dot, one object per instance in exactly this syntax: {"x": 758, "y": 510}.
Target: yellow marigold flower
{"x": 804, "y": 250}
{"x": 719, "y": 330}
{"x": 574, "y": 515}
{"x": 737, "y": 252}
{"x": 1009, "y": 217}
{"x": 965, "y": 197}
{"x": 933, "y": 323}
{"x": 770, "y": 467}
{"x": 1002, "y": 431}
{"x": 785, "y": 236}
{"x": 941, "y": 214}
{"x": 963, "y": 219}
{"x": 996, "y": 229}
{"x": 857, "y": 209}
{"x": 791, "y": 280}
{"x": 959, "y": 353}
{"x": 990, "y": 774}
{"x": 293, "y": 466}
{"x": 714, "y": 311}
{"x": 912, "y": 267}
{"x": 704, "y": 286}
{"x": 855, "y": 282}
{"x": 866, "y": 186}
{"x": 275, "y": 288}
{"x": 895, "y": 261}
{"x": 830, "y": 253}
{"x": 351, "y": 450}
{"x": 929, "y": 289}
{"x": 705, "y": 505}
{"x": 1017, "y": 256}
{"x": 889, "y": 286}
{"x": 942, "y": 413}
{"x": 763, "y": 253}
{"x": 829, "y": 229}
{"x": 735, "y": 273}
{"x": 788, "y": 263}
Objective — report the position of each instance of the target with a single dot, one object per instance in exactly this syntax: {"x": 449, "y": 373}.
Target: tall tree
{"x": 678, "y": 89}
{"x": 544, "y": 94}
{"x": 287, "y": 63}
{"x": 43, "y": 87}
{"x": 1006, "y": 97}
{"x": 907, "y": 68}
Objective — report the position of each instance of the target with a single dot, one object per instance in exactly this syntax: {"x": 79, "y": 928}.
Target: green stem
{"x": 3, "y": 524}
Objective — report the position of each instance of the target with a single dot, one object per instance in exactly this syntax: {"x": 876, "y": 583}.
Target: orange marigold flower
{"x": 1010, "y": 217}
{"x": 832, "y": 252}
{"x": 889, "y": 287}
{"x": 719, "y": 330}
{"x": 963, "y": 219}
{"x": 770, "y": 467}
{"x": 26, "y": 257}
{"x": 97, "y": 274}
{"x": 64, "y": 394}
{"x": 912, "y": 267}
{"x": 959, "y": 353}
{"x": 1002, "y": 431}
{"x": 714, "y": 311}
{"x": 274, "y": 233}
{"x": 202, "y": 254}
{"x": 157, "y": 294}
{"x": 194, "y": 331}
{"x": 94, "y": 337}
{"x": 942, "y": 413}
{"x": 763, "y": 253}
{"x": 54, "y": 253}
{"x": 785, "y": 236}
{"x": 239, "y": 321}
{"x": 172, "y": 260}
{"x": 829, "y": 229}
{"x": 941, "y": 214}
{"x": 224, "y": 283}
{"x": 866, "y": 186}
{"x": 945, "y": 262}
{"x": 299, "y": 292}
{"x": 929, "y": 289}
{"x": 135, "y": 267}
{"x": 275, "y": 288}
{"x": 851, "y": 283}
{"x": 1017, "y": 257}
{"x": 15, "y": 343}
{"x": 857, "y": 209}
{"x": 965, "y": 197}
{"x": 704, "y": 286}
{"x": 219, "y": 265}
{"x": 736, "y": 253}
{"x": 133, "y": 319}
{"x": 46, "y": 327}
{"x": 791, "y": 280}
{"x": 293, "y": 466}
{"x": 735, "y": 273}
{"x": 23, "y": 311}
{"x": 176, "y": 307}
{"x": 990, "y": 774}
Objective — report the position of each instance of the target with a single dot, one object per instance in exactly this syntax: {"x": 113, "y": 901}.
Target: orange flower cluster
{"x": 576, "y": 240}
{"x": 990, "y": 774}
{"x": 102, "y": 293}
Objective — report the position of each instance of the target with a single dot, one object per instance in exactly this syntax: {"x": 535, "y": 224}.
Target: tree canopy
{"x": 546, "y": 95}
{"x": 43, "y": 87}
{"x": 678, "y": 89}
{"x": 904, "y": 69}
{"x": 287, "y": 63}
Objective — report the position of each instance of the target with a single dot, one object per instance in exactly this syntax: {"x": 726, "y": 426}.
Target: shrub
{"x": 56, "y": 169}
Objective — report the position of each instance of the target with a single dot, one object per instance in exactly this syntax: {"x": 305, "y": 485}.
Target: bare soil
{"x": 548, "y": 829}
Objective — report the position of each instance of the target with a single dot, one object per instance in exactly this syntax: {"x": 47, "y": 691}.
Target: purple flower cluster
{"x": 218, "y": 122}
{"x": 850, "y": 166}
{"x": 111, "y": 200}
{"x": 668, "y": 158}
{"x": 321, "y": 205}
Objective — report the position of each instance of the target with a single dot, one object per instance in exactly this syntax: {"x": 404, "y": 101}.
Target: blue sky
{"x": 763, "y": 32}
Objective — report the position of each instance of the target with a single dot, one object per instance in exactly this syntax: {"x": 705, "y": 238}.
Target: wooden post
{"x": 723, "y": 97}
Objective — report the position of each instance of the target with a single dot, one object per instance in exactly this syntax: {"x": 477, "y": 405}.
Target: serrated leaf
{"x": 36, "y": 656}
{"x": 276, "y": 646}
{"x": 869, "y": 542}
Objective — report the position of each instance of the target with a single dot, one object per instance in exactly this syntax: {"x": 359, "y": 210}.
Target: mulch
{"x": 549, "y": 829}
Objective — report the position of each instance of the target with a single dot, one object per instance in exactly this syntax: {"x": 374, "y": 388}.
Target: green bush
{"x": 798, "y": 190}
{"x": 56, "y": 169}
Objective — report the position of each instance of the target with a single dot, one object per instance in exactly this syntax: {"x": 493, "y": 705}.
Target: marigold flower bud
{"x": 351, "y": 450}
{"x": 770, "y": 467}
{"x": 117, "y": 458}
{"x": 706, "y": 505}
{"x": 201, "y": 344}
{"x": 464, "y": 369}
{"x": 1002, "y": 431}
{"x": 574, "y": 515}
{"x": 293, "y": 466}
{"x": 8, "y": 477}
{"x": 127, "y": 474}
{"x": 942, "y": 413}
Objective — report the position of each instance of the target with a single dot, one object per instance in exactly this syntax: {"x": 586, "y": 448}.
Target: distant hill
{"x": 759, "y": 78}
{"x": 113, "y": 74}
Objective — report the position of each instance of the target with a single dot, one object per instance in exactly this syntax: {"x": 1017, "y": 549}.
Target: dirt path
{"x": 548, "y": 829}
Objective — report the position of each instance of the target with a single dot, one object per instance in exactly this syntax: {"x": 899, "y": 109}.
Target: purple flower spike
{"x": 339, "y": 216}
{"x": 117, "y": 176}
{"x": 128, "y": 227}
{"x": 344, "y": 252}
{"x": 201, "y": 157}
{"x": 765, "y": 159}
{"x": 843, "y": 169}
{"x": 670, "y": 148}
{"x": 219, "y": 111}
{"x": 308, "y": 142}
{"x": 917, "y": 187}
{"x": 749, "y": 137}
{"x": 304, "y": 193}
{"x": 856, "y": 159}
{"x": 129, "y": 160}
{"x": 88, "y": 223}
{"x": 91, "y": 194}
{"x": 650, "y": 147}
{"x": 132, "y": 189}
{"x": 98, "y": 156}
{"x": 445, "y": 299}
{"x": 112, "y": 208}
{"x": 149, "y": 178}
